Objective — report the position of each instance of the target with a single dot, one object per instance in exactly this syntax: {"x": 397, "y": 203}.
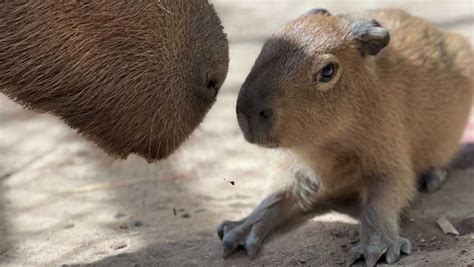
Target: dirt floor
{"x": 62, "y": 201}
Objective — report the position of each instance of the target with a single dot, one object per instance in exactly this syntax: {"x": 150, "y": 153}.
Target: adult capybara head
{"x": 132, "y": 76}
{"x": 309, "y": 80}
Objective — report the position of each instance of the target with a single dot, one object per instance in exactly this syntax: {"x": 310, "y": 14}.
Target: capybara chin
{"x": 372, "y": 103}
{"x": 132, "y": 76}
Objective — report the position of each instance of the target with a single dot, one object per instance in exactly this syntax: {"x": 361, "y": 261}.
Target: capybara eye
{"x": 327, "y": 73}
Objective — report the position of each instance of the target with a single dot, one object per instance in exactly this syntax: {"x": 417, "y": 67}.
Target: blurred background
{"x": 62, "y": 201}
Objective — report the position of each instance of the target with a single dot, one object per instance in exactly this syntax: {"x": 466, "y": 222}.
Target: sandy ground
{"x": 62, "y": 201}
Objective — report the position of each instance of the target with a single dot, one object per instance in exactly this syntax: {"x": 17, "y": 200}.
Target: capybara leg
{"x": 375, "y": 242}
{"x": 379, "y": 215}
{"x": 251, "y": 231}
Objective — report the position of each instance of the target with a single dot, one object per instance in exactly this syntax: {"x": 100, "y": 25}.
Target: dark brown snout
{"x": 255, "y": 118}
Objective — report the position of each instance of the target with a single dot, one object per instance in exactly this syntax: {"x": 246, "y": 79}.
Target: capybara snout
{"x": 132, "y": 76}
{"x": 255, "y": 117}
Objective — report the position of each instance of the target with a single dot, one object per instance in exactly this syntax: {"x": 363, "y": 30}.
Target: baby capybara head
{"x": 132, "y": 76}
{"x": 309, "y": 80}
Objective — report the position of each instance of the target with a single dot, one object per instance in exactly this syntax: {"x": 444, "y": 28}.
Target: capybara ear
{"x": 371, "y": 36}
{"x": 318, "y": 11}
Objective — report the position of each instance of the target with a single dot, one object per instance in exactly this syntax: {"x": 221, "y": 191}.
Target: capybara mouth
{"x": 161, "y": 151}
{"x": 269, "y": 145}
{"x": 268, "y": 141}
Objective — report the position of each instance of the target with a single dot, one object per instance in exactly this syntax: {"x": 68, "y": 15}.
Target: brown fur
{"x": 390, "y": 117}
{"x": 385, "y": 118}
{"x": 131, "y": 76}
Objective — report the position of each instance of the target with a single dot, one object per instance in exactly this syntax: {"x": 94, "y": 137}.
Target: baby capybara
{"x": 132, "y": 76}
{"x": 370, "y": 103}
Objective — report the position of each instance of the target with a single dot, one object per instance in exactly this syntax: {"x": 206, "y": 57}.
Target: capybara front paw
{"x": 236, "y": 234}
{"x": 373, "y": 249}
{"x": 250, "y": 232}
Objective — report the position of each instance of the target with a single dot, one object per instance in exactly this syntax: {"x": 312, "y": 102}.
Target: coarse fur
{"x": 395, "y": 109}
{"x": 132, "y": 76}
{"x": 403, "y": 110}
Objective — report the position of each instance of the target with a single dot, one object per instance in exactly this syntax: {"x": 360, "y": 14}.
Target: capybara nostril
{"x": 266, "y": 114}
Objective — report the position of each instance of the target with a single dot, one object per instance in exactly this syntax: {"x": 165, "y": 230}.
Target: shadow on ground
{"x": 323, "y": 243}
{"x": 62, "y": 196}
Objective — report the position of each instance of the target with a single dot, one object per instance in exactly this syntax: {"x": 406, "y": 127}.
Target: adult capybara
{"x": 132, "y": 76}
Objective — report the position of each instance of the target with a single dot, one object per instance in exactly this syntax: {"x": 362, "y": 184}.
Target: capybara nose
{"x": 238, "y": 110}
{"x": 244, "y": 122}
{"x": 246, "y": 110}
{"x": 254, "y": 119}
